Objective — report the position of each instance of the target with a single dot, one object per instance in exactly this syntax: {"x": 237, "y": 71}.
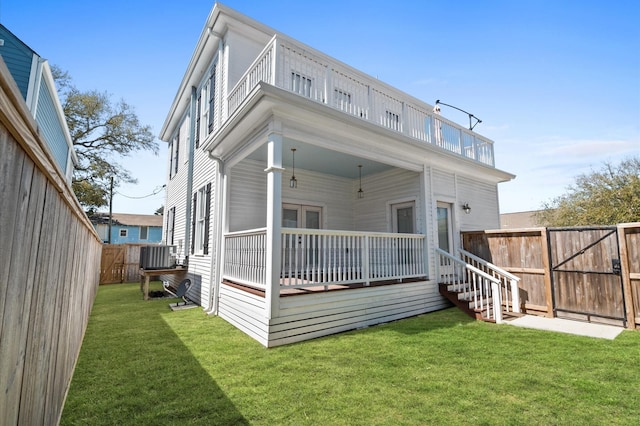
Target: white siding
{"x": 309, "y": 316}
{"x": 483, "y": 200}
{"x": 245, "y": 311}
{"x": 373, "y": 212}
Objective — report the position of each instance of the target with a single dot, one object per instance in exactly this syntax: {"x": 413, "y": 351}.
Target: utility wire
{"x": 155, "y": 192}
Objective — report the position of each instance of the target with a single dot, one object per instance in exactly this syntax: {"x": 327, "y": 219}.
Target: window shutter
{"x": 198, "y": 107}
{"x": 177, "y": 147}
{"x": 212, "y": 96}
{"x": 173, "y": 223}
{"x": 170, "y": 160}
{"x": 206, "y": 220}
{"x": 193, "y": 222}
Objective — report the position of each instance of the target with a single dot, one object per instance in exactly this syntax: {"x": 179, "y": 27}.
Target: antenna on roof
{"x": 471, "y": 116}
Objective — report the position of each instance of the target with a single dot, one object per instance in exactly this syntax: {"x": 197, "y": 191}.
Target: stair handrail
{"x": 513, "y": 279}
{"x": 496, "y": 294}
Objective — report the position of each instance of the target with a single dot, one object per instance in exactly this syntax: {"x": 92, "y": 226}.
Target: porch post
{"x": 274, "y": 223}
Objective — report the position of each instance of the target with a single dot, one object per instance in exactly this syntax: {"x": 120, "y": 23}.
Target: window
{"x": 200, "y": 220}
{"x": 392, "y": 120}
{"x": 174, "y": 150}
{"x": 204, "y": 107}
{"x": 403, "y": 217}
{"x": 144, "y": 232}
{"x": 301, "y": 84}
{"x": 124, "y": 233}
{"x": 171, "y": 222}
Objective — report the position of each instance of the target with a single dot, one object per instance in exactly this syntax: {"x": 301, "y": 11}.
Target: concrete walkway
{"x": 560, "y": 325}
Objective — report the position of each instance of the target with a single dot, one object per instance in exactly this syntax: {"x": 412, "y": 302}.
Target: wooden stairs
{"x": 463, "y": 298}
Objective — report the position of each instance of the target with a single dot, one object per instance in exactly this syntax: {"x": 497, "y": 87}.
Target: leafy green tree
{"x": 102, "y": 132}
{"x": 605, "y": 197}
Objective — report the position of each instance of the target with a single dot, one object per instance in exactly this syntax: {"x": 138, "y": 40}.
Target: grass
{"x": 142, "y": 364}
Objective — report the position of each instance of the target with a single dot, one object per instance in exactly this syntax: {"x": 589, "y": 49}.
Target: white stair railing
{"x": 475, "y": 285}
{"x": 509, "y": 283}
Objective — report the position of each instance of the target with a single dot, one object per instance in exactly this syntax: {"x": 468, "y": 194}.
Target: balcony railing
{"x": 289, "y": 66}
{"x": 312, "y": 258}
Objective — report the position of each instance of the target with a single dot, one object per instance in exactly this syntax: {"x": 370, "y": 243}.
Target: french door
{"x": 295, "y": 250}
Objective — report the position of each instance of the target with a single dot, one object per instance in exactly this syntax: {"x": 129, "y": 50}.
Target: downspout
{"x": 217, "y": 261}
{"x": 192, "y": 135}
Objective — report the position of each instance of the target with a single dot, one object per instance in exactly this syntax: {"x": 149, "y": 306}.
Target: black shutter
{"x": 212, "y": 96}
{"x": 198, "y": 106}
{"x": 177, "y": 147}
{"x": 206, "y": 220}
{"x": 173, "y": 223}
{"x": 193, "y": 222}
{"x": 170, "y": 160}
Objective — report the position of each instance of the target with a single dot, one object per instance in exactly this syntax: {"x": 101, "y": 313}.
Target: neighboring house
{"x": 128, "y": 228}
{"x": 33, "y": 77}
{"x": 520, "y": 220}
{"x": 309, "y": 197}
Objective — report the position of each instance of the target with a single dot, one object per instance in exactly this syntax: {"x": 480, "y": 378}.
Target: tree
{"x": 605, "y": 197}
{"x": 101, "y": 131}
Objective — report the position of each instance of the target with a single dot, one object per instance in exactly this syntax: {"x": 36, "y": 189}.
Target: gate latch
{"x": 615, "y": 264}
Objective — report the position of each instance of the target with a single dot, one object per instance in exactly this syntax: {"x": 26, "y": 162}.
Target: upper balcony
{"x": 292, "y": 67}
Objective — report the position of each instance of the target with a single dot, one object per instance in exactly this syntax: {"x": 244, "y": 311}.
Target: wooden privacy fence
{"x": 120, "y": 263}
{"x": 586, "y": 273}
{"x": 49, "y": 270}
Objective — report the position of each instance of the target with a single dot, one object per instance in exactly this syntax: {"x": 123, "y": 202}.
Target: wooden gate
{"x": 585, "y": 274}
{"x": 112, "y": 266}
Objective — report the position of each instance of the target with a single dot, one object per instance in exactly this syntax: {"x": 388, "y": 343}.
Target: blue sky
{"x": 555, "y": 83}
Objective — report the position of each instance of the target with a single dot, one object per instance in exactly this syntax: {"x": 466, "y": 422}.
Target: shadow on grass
{"x": 133, "y": 369}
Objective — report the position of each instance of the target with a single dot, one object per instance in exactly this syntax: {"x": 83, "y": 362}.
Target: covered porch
{"x": 321, "y": 260}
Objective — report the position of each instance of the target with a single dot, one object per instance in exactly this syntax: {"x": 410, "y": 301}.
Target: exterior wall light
{"x": 467, "y": 208}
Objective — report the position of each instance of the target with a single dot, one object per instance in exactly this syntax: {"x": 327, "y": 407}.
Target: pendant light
{"x": 293, "y": 182}
{"x": 360, "y": 191}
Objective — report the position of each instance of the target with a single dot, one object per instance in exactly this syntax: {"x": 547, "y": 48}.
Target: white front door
{"x": 445, "y": 237}
{"x": 445, "y": 228}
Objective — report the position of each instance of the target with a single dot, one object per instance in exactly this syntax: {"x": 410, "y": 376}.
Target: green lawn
{"x": 142, "y": 364}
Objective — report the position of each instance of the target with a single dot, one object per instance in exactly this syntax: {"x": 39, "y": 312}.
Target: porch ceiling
{"x": 322, "y": 160}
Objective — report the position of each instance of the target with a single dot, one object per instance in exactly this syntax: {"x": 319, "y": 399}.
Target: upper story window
{"x": 200, "y": 220}
{"x": 301, "y": 84}
{"x": 124, "y": 233}
{"x": 174, "y": 154}
{"x": 392, "y": 120}
{"x": 144, "y": 232}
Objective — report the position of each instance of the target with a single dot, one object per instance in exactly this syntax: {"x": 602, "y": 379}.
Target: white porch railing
{"x": 245, "y": 257}
{"x": 479, "y": 288}
{"x": 312, "y": 258}
{"x": 509, "y": 283}
{"x": 308, "y": 73}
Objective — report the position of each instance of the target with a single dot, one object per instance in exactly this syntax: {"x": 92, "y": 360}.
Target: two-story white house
{"x": 307, "y": 197}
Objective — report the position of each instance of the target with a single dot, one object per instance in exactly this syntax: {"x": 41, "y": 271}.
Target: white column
{"x": 274, "y": 222}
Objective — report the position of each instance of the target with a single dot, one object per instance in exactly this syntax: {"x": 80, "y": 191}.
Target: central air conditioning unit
{"x": 158, "y": 257}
